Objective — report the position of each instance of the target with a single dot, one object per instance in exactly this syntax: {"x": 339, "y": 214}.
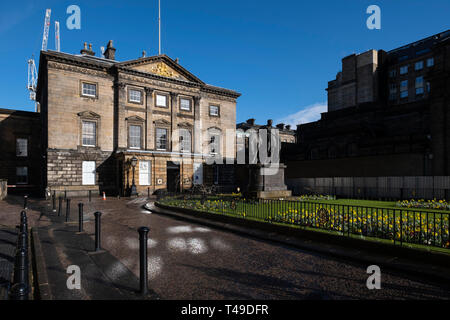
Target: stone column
{"x": 148, "y": 118}
{"x": 174, "y": 110}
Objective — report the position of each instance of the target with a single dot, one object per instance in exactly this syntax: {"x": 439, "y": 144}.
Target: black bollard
{"x": 23, "y": 225}
{"x": 23, "y": 240}
{"x": 54, "y": 201}
{"x": 67, "y": 209}
{"x": 143, "y": 266}
{"x": 80, "y": 217}
{"x": 19, "y": 291}
{"x": 65, "y": 194}
{"x": 90, "y": 195}
{"x": 23, "y": 216}
{"x": 98, "y": 246}
{"x": 148, "y": 193}
{"x": 21, "y": 267}
{"x": 60, "y": 205}
{"x": 25, "y": 202}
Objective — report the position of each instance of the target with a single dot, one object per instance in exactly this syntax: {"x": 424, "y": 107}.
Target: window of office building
{"x": 161, "y": 138}
{"x": 404, "y": 89}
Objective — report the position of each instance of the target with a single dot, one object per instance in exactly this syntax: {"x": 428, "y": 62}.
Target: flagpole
{"x": 159, "y": 25}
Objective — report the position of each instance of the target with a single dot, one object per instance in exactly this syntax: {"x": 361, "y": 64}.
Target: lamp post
{"x": 133, "y": 185}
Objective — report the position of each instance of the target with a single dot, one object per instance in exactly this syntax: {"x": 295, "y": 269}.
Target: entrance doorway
{"x": 173, "y": 176}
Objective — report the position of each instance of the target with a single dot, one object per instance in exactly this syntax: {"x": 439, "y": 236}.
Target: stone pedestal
{"x": 266, "y": 182}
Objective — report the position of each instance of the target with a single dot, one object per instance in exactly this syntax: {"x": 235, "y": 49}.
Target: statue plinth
{"x": 267, "y": 182}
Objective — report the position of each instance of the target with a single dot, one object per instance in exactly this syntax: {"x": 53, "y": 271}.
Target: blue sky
{"x": 278, "y": 54}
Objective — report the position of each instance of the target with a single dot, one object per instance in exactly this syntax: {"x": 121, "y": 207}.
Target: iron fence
{"x": 398, "y": 225}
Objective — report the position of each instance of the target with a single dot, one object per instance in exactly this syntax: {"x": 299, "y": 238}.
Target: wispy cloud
{"x": 307, "y": 114}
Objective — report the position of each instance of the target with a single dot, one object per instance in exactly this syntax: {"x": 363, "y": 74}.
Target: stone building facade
{"x": 98, "y": 114}
{"x": 20, "y": 143}
{"x": 388, "y": 115}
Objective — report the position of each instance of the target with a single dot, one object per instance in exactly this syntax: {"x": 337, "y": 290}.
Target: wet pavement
{"x": 191, "y": 261}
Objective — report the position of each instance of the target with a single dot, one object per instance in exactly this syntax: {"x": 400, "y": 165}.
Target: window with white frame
{"x": 135, "y": 95}
{"x": 161, "y": 138}
{"x": 430, "y": 62}
{"x": 404, "y": 89}
{"x": 214, "y": 110}
{"x": 404, "y": 70}
{"x": 419, "y": 85}
{"x": 185, "y": 140}
{"x": 21, "y": 175}
{"x": 89, "y": 132}
{"x": 89, "y": 89}
{"x": 135, "y": 132}
{"x": 22, "y": 147}
{"x": 161, "y": 100}
{"x": 185, "y": 104}
{"x": 418, "y": 65}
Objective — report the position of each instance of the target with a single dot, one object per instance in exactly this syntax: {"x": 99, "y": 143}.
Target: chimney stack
{"x": 87, "y": 51}
{"x": 288, "y": 127}
{"x": 110, "y": 52}
{"x": 280, "y": 126}
{"x": 251, "y": 122}
{"x": 269, "y": 123}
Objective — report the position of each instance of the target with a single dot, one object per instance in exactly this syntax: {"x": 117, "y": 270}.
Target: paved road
{"x": 190, "y": 261}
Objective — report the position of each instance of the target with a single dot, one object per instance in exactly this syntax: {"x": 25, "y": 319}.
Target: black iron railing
{"x": 398, "y": 225}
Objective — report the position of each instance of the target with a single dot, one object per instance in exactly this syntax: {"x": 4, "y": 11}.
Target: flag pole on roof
{"x": 159, "y": 26}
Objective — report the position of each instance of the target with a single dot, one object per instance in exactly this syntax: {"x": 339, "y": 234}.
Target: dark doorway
{"x": 173, "y": 176}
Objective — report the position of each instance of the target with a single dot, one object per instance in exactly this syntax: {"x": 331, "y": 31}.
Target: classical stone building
{"x": 20, "y": 143}
{"x": 287, "y": 135}
{"x": 388, "y": 115}
{"x": 98, "y": 114}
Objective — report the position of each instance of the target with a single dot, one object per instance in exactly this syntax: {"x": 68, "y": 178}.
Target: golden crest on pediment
{"x": 162, "y": 69}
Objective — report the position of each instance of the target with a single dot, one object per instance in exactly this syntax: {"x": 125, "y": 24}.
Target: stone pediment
{"x": 88, "y": 114}
{"x": 185, "y": 125}
{"x": 161, "y": 122}
{"x": 161, "y": 66}
{"x": 135, "y": 119}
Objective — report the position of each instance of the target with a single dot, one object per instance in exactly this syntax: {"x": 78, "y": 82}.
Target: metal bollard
{"x": 80, "y": 217}
{"x": 143, "y": 266}
{"x": 148, "y": 193}
{"x": 21, "y": 267}
{"x": 23, "y": 216}
{"x": 54, "y": 201}
{"x": 25, "y": 202}
{"x": 23, "y": 224}
{"x": 23, "y": 241}
{"x": 90, "y": 195}
{"x": 67, "y": 209}
{"x": 97, "y": 231}
{"x": 19, "y": 291}
{"x": 60, "y": 205}
{"x": 65, "y": 194}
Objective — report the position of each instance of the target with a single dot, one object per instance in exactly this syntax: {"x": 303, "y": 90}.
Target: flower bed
{"x": 430, "y": 204}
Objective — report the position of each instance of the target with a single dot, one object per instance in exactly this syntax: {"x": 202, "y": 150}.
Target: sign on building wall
{"x": 144, "y": 173}
{"x": 88, "y": 172}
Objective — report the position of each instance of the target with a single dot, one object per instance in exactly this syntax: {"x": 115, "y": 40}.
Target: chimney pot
{"x": 280, "y": 126}
{"x": 144, "y": 54}
{"x": 87, "y": 51}
{"x": 110, "y": 52}
{"x": 251, "y": 122}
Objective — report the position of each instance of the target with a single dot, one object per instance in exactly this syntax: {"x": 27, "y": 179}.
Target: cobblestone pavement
{"x": 191, "y": 261}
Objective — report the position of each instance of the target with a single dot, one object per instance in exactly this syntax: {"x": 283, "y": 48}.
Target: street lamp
{"x": 133, "y": 185}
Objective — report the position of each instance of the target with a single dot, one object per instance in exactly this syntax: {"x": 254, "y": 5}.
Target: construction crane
{"x": 57, "y": 43}
{"x": 48, "y": 12}
{"x": 32, "y": 72}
